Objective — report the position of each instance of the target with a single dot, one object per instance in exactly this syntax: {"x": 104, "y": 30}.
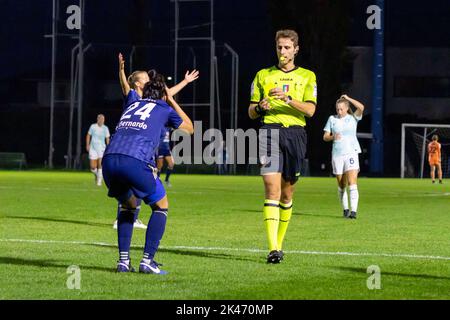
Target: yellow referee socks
{"x": 271, "y": 218}
{"x": 285, "y": 216}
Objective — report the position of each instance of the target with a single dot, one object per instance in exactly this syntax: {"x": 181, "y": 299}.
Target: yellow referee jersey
{"x": 298, "y": 83}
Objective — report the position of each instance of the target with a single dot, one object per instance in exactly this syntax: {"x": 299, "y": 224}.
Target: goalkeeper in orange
{"x": 434, "y": 158}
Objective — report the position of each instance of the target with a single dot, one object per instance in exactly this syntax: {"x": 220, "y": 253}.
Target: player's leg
{"x": 338, "y": 164}
{"x": 169, "y": 170}
{"x": 159, "y": 164}
{"x": 439, "y": 170}
{"x": 271, "y": 210}
{"x": 125, "y": 232}
{"x": 119, "y": 172}
{"x": 352, "y": 177}
{"x": 351, "y": 170}
{"x": 99, "y": 171}
{"x": 287, "y": 192}
{"x": 138, "y": 222}
{"x": 93, "y": 162}
{"x": 342, "y": 193}
{"x": 155, "y": 229}
{"x": 271, "y": 161}
{"x": 432, "y": 172}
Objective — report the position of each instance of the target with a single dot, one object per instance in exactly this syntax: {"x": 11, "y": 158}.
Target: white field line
{"x": 326, "y": 253}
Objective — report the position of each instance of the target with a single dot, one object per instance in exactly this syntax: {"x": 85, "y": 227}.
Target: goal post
{"x": 414, "y": 140}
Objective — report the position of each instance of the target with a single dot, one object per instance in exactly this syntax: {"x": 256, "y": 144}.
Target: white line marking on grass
{"x": 327, "y": 253}
{"x": 57, "y": 188}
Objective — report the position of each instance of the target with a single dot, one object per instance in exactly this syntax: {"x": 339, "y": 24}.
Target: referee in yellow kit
{"x": 282, "y": 95}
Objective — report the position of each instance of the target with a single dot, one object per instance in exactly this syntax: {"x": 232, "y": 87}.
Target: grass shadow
{"x": 49, "y": 264}
{"x": 93, "y": 224}
{"x": 398, "y": 274}
{"x": 206, "y": 254}
{"x": 296, "y": 213}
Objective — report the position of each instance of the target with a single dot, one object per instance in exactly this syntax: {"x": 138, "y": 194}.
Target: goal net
{"x": 414, "y": 153}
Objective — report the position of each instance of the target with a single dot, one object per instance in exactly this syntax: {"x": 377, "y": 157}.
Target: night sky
{"x": 113, "y": 26}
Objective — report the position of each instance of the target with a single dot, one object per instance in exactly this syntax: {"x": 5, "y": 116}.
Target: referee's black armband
{"x": 258, "y": 110}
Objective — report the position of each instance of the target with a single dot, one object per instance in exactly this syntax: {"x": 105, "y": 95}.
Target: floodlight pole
{"x": 52, "y": 83}
{"x": 376, "y": 152}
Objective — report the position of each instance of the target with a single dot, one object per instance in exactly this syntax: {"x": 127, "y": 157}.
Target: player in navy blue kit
{"x": 164, "y": 153}
{"x": 136, "y": 82}
{"x": 129, "y": 167}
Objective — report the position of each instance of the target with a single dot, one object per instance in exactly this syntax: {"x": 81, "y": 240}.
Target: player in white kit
{"x": 341, "y": 129}
{"x": 96, "y": 140}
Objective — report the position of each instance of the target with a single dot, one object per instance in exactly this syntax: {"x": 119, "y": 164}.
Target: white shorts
{"x": 95, "y": 154}
{"x": 345, "y": 163}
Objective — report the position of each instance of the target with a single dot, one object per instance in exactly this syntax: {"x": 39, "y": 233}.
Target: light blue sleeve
{"x": 107, "y": 134}
{"x": 91, "y": 130}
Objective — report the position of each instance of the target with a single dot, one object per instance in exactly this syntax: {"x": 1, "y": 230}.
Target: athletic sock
{"x": 155, "y": 231}
{"x": 94, "y": 171}
{"x": 99, "y": 175}
{"x": 271, "y": 220}
{"x": 125, "y": 232}
{"x": 343, "y": 197}
{"x": 168, "y": 173}
{"x": 354, "y": 197}
{"x": 285, "y": 216}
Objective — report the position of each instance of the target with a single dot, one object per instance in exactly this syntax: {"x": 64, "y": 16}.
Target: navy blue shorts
{"x": 164, "y": 150}
{"x": 282, "y": 150}
{"x": 125, "y": 176}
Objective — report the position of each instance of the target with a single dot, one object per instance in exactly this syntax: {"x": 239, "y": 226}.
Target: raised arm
{"x": 122, "y": 77}
{"x": 358, "y": 105}
{"x": 186, "y": 125}
{"x": 188, "y": 78}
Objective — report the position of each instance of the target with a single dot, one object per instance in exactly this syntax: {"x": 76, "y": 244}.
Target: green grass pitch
{"x": 214, "y": 246}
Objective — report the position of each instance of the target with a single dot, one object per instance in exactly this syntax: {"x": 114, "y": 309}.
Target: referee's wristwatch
{"x": 289, "y": 99}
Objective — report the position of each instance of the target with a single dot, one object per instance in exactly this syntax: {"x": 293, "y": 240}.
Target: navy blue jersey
{"x": 138, "y": 131}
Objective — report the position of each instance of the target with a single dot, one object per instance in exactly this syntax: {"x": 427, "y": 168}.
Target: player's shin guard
{"x": 155, "y": 231}
{"x": 125, "y": 231}
{"x": 271, "y": 220}
{"x": 285, "y": 216}
{"x": 354, "y": 197}
{"x": 343, "y": 197}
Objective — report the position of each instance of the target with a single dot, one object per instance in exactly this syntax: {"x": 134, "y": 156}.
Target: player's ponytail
{"x": 156, "y": 88}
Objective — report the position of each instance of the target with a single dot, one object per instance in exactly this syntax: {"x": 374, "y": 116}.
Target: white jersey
{"x": 346, "y": 127}
{"x": 98, "y": 134}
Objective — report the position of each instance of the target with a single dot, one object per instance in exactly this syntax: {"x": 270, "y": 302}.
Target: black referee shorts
{"x": 282, "y": 150}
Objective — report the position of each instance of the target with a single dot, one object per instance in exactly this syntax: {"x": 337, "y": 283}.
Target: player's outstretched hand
{"x": 121, "y": 62}
{"x": 191, "y": 76}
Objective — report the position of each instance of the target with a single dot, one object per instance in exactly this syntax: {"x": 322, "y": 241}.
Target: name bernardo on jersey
{"x": 131, "y": 125}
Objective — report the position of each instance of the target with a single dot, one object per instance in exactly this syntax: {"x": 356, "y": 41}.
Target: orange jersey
{"x": 434, "y": 152}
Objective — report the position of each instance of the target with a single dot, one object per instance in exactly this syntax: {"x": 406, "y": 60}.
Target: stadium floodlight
{"x": 415, "y": 138}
